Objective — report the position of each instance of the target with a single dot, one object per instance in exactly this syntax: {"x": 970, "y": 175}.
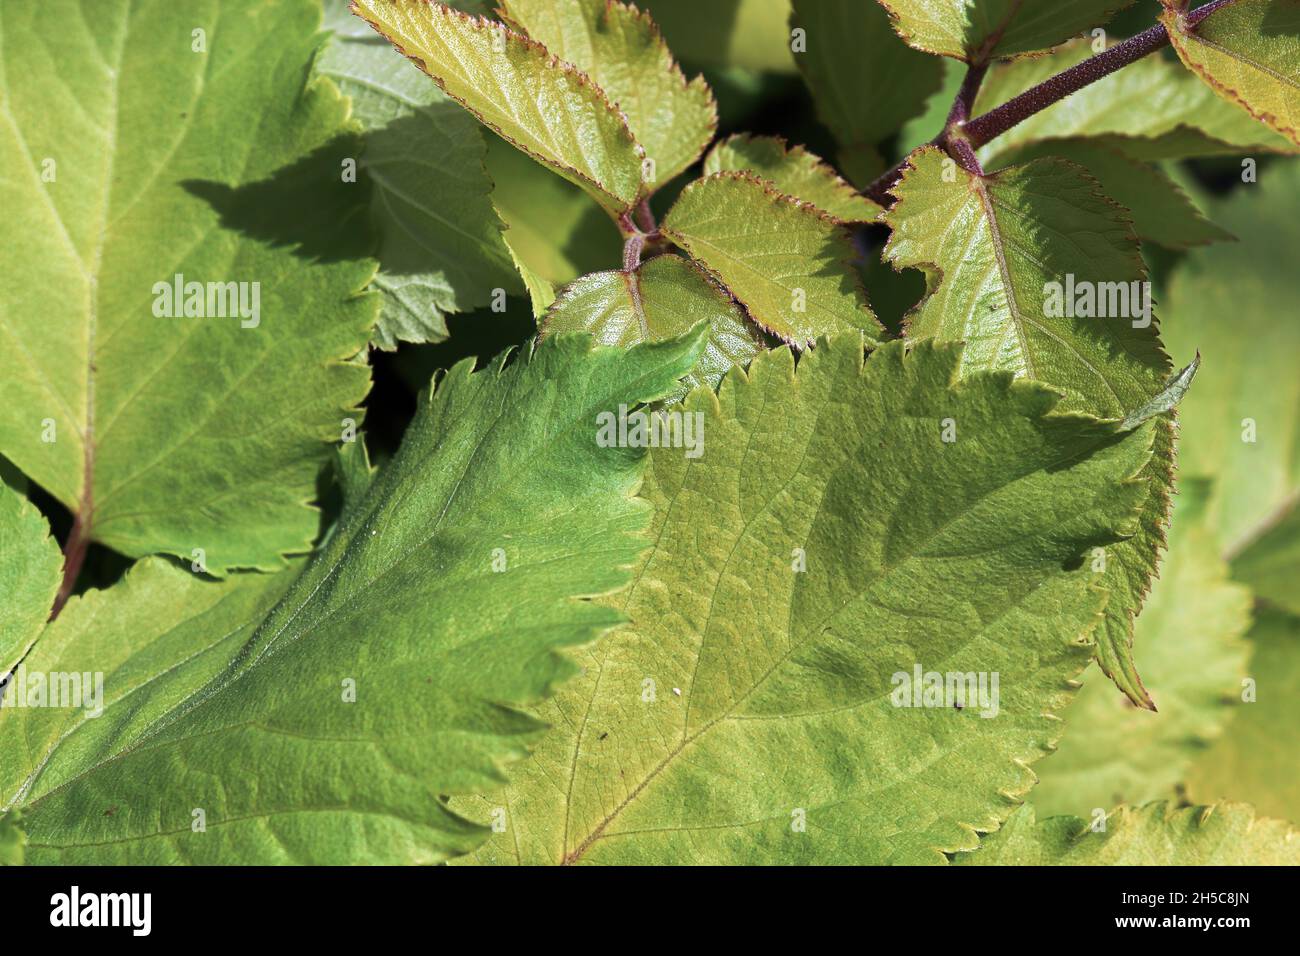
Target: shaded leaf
{"x": 865, "y": 81}
{"x": 1271, "y": 564}
{"x": 1240, "y": 425}
{"x": 556, "y": 230}
{"x": 1258, "y": 757}
{"x": 441, "y": 249}
{"x": 744, "y": 34}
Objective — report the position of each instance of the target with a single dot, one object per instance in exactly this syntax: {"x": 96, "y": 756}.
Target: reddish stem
{"x": 74, "y": 556}
{"x": 976, "y": 132}
{"x": 994, "y": 123}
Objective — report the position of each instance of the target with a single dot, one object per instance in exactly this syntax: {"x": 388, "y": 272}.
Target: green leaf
{"x": 540, "y": 292}
{"x": 1271, "y": 564}
{"x": 1162, "y": 213}
{"x": 444, "y": 598}
{"x": 744, "y": 34}
{"x": 12, "y": 840}
{"x": 176, "y": 433}
{"x": 827, "y": 539}
{"x": 556, "y": 231}
{"x": 441, "y": 248}
{"x": 1241, "y": 424}
{"x": 865, "y": 82}
{"x": 1248, "y": 52}
{"x": 993, "y": 247}
{"x": 786, "y": 261}
{"x": 1005, "y": 253}
{"x": 978, "y": 31}
{"x": 1189, "y": 647}
{"x": 1152, "y": 109}
{"x": 794, "y": 172}
{"x": 547, "y": 108}
{"x": 1258, "y": 758}
{"x": 29, "y": 575}
{"x": 1157, "y": 834}
{"x": 620, "y": 48}
{"x": 662, "y": 299}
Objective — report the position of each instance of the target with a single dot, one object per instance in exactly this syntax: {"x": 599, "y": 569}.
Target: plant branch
{"x": 994, "y": 123}
{"x": 962, "y": 136}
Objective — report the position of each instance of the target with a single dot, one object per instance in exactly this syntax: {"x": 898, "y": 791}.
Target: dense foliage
{"x": 437, "y": 433}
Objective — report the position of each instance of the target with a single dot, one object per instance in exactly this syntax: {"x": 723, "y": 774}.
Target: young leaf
{"x": 1158, "y": 834}
{"x": 795, "y": 172}
{"x": 1005, "y": 254}
{"x": 29, "y": 575}
{"x": 865, "y": 82}
{"x": 786, "y": 261}
{"x": 1240, "y": 425}
{"x": 1189, "y": 646}
{"x": 1162, "y": 213}
{"x": 1248, "y": 52}
{"x": 517, "y": 88}
{"x": 827, "y": 539}
{"x": 661, "y": 299}
{"x": 1152, "y": 109}
{"x": 199, "y": 420}
{"x": 441, "y": 248}
{"x": 978, "y": 32}
{"x": 321, "y": 717}
{"x": 1258, "y": 757}
{"x": 620, "y": 48}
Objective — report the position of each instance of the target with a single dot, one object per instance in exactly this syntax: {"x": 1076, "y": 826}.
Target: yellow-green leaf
{"x": 981, "y": 30}
{"x": 547, "y": 108}
{"x": 1012, "y": 258}
{"x": 620, "y": 48}
{"x": 661, "y": 299}
{"x": 1157, "y": 834}
{"x": 29, "y": 575}
{"x": 1258, "y": 758}
{"x": 786, "y": 261}
{"x": 1248, "y": 51}
{"x": 794, "y": 171}
{"x": 827, "y": 544}
{"x": 1189, "y": 644}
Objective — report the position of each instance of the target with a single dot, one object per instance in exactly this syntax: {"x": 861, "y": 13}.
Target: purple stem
{"x": 974, "y": 133}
